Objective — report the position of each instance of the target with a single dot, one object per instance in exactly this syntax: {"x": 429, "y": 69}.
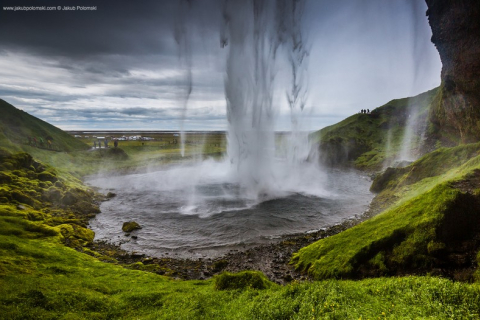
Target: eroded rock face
{"x": 456, "y": 34}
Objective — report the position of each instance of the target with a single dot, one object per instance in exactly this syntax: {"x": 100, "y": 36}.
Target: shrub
{"x": 242, "y": 280}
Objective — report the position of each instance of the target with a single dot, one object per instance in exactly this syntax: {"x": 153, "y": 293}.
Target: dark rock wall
{"x": 456, "y": 34}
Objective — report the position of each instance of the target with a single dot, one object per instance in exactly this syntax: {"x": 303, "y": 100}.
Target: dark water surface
{"x": 187, "y": 216}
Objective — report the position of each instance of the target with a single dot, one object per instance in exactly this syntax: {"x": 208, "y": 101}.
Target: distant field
{"x": 152, "y": 141}
{"x": 162, "y": 148}
{"x": 145, "y": 149}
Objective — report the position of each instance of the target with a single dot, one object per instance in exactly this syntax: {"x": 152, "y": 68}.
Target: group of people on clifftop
{"x": 365, "y": 111}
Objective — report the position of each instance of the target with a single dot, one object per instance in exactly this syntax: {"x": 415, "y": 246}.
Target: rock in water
{"x": 111, "y": 195}
{"x": 130, "y": 226}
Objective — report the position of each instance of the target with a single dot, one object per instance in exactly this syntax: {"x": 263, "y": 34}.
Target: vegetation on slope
{"x": 430, "y": 226}
{"x": 42, "y": 279}
{"x": 371, "y": 141}
{"x": 18, "y": 127}
{"x": 44, "y": 199}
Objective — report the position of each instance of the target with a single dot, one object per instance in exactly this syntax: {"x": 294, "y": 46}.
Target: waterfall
{"x": 265, "y": 65}
{"x": 259, "y": 36}
{"x": 414, "y": 132}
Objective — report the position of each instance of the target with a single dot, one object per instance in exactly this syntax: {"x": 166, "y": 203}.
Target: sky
{"x": 118, "y": 66}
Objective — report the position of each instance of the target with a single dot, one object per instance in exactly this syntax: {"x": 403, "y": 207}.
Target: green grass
{"x": 242, "y": 280}
{"x": 134, "y": 155}
{"x": 17, "y": 126}
{"x": 406, "y": 236}
{"x": 368, "y": 141}
{"x": 41, "y": 279}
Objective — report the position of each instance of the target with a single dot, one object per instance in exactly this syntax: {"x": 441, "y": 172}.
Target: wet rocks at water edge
{"x": 111, "y": 195}
{"x": 129, "y": 226}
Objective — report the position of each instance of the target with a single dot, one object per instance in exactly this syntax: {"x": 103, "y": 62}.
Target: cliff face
{"x": 456, "y": 34}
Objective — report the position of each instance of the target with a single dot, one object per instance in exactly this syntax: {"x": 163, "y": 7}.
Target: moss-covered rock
{"x": 72, "y": 233}
{"x": 47, "y": 176}
{"x": 52, "y": 195}
{"x": 85, "y": 207}
{"x": 242, "y": 280}
{"x": 111, "y": 195}
{"x": 381, "y": 181}
{"x": 67, "y": 204}
{"x": 59, "y": 185}
{"x": 69, "y": 198}
{"x": 129, "y": 226}
{"x": 5, "y": 178}
{"x": 22, "y": 198}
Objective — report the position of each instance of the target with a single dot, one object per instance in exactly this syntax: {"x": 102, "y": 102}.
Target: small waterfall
{"x": 416, "y": 122}
{"x": 415, "y": 127}
{"x": 409, "y": 138}
{"x": 388, "y": 149}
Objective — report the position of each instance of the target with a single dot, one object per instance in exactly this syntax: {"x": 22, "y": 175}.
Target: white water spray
{"x": 261, "y": 39}
{"x": 415, "y": 128}
{"x": 255, "y": 33}
{"x": 416, "y": 122}
{"x": 184, "y": 44}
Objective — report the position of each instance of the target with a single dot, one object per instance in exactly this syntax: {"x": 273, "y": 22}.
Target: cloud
{"x": 121, "y": 63}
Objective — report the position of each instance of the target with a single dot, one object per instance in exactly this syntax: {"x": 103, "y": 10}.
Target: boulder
{"x": 130, "y": 226}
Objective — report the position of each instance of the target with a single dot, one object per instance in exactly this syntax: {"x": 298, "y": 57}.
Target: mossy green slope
{"x": 43, "y": 218}
{"x": 367, "y": 141}
{"x": 434, "y": 208}
{"x": 17, "y": 126}
{"x": 41, "y": 279}
{"x": 44, "y": 199}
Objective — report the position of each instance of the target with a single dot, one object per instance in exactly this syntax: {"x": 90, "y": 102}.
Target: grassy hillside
{"x": 369, "y": 141}
{"x": 42, "y": 279}
{"x": 78, "y": 159}
{"x": 18, "y": 127}
{"x": 47, "y": 271}
{"x": 431, "y": 224}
